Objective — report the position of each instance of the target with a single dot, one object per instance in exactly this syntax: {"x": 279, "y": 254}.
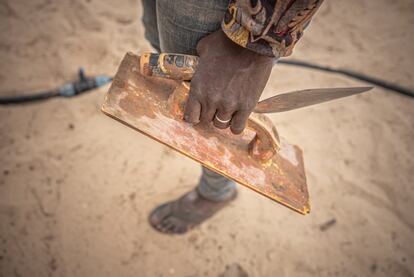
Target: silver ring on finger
{"x": 221, "y": 120}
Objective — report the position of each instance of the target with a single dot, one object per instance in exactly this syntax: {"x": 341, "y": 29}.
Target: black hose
{"x": 19, "y": 99}
{"x": 81, "y": 85}
{"x": 86, "y": 84}
{"x": 352, "y": 74}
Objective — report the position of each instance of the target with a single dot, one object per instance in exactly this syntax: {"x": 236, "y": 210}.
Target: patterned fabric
{"x": 268, "y": 27}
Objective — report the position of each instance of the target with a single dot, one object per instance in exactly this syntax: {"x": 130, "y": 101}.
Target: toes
{"x": 172, "y": 225}
{"x": 166, "y": 226}
{"x": 159, "y": 214}
{"x": 178, "y": 226}
{"x": 162, "y": 219}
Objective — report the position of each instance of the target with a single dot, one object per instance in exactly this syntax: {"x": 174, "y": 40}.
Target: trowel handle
{"x": 167, "y": 65}
{"x": 264, "y": 145}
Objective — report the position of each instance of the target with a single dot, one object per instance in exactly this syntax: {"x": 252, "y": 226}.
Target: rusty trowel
{"x": 149, "y": 93}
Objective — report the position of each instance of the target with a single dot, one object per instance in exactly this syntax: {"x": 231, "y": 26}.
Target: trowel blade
{"x": 303, "y": 98}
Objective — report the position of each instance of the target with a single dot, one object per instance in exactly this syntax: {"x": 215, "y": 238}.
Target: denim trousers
{"x": 175, "y": 26}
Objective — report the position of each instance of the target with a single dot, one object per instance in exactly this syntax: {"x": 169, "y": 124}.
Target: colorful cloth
{"x": 268, "y": 27}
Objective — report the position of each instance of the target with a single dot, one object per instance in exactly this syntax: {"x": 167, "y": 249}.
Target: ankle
{"x": 223, "y": 195}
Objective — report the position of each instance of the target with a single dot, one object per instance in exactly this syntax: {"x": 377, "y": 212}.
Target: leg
{"x": 149, "y": 19}
{"x": 215, "y": 187}
{"x": 180, "y": 25}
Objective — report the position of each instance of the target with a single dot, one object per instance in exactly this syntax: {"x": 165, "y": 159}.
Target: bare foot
{"x": 181, "y": 215}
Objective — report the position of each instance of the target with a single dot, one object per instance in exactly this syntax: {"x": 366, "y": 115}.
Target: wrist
{"x": 242, "y": 52}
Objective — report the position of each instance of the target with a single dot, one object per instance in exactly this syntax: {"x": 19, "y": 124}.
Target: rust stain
{"x": 143, "y": 104}
{"x": 135, "y": 106}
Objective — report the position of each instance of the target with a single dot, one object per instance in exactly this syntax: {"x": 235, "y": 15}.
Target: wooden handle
{"x": 264, "y": 145}
{"x": 168, "y": 65}
{"x": 266, "y": 142}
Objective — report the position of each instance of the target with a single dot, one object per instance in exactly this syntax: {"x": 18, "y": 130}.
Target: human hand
{"x": 227, "y": 84}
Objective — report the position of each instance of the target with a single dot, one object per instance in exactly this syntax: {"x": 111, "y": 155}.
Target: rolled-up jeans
{"x": 175, "y": 26}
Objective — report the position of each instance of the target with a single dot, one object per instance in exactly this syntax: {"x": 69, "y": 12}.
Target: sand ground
{"x": 76, "y": 187}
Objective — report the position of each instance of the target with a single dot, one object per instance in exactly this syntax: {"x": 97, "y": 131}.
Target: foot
{"x": 181, "y": 215}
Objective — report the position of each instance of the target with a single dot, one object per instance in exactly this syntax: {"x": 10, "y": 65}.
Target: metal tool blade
{"x": 303, "y": 98}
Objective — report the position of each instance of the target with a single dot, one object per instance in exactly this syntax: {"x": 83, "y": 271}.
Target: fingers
{"x": 208, "y": 112}
{"x": 238, "y": 122}
{"x": 222, "y": 113}
{"x": 192, "y": 110}
{"x": 222, "y": 118}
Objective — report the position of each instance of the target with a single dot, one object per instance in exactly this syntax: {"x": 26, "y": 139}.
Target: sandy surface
{"x": 76, "y": 187}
